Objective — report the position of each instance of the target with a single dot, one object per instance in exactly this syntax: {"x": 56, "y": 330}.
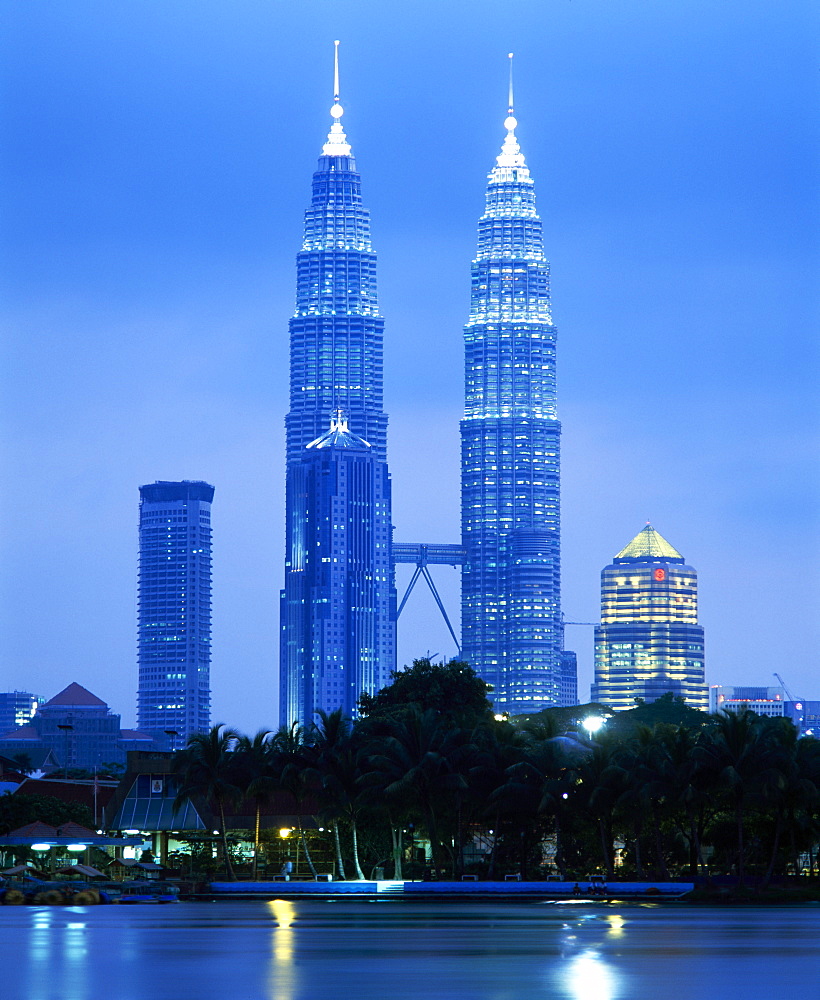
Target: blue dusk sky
{"x": 156, "y": 162}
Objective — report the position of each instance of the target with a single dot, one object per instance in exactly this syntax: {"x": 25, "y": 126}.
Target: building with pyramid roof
{"x": 649, "y": 641}
{"x": 79, "y": 729}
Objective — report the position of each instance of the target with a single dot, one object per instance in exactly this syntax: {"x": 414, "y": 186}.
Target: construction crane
{"x": 789, "y": 695}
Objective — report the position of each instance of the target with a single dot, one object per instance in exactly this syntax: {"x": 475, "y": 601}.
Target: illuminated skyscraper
{"x": 510, "y": 435}
{"x": 174, "y": 616}
{"x": 17, "y": 708}
{"x": 338, "y": 567}
{"x": 649, "y": 641}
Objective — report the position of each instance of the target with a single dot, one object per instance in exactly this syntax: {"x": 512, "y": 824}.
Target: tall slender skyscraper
{"x": 338, "y": 603}
{"x": 174, "y": 614}
{"x": 510, "y": 434}
{"x": 649, "y": 642}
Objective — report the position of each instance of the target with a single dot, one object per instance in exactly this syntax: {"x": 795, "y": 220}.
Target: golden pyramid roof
{"x": 649, "y": 544}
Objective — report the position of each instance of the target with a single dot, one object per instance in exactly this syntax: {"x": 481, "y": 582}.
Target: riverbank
{"x": 773, "y": 895}
{"x": 583, "y": 890}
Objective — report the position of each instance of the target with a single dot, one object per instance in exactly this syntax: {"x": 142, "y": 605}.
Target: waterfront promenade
{"x": 585, "y": 888}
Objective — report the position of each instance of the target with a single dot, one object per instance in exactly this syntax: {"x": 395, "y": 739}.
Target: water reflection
{"x": 57, "y": 953}
{"x": 75, "y": 954}
{"x": 312, "y": 950}
{"x": 589, "y": 977}
{"x": 282, "y": 980}
{"x": 39, "y": 952}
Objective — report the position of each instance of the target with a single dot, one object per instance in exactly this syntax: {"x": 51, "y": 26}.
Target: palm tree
{"x": 539, "y": 783}
{"x": 602, "y": 782}
{"x": 793, "y": 788}
{"x": 738, "y": 750}
{"x": 336, "y": 762}
{"x": 290, "y": 755}
{"x": 501, "y": 745}
{"x": 425, "y": 760}
{"x": 206, "y": 765}
{"x": 253, "y": 764}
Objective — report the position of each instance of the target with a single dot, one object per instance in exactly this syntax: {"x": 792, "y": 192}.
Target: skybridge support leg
{"x": 434, "y": 592}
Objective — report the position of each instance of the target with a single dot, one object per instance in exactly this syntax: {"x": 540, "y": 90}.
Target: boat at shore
{"x": 37, "y": 892}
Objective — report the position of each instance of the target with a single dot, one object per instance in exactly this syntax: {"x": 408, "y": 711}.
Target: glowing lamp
{"x": 76, "y": 847}
{"x": 40, "y": 847}
{"x": 592, "y": 723}
{"x": 284, "y": 832}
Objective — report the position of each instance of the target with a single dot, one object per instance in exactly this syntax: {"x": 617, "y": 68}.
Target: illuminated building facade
{"x": 510, "y": 435}
{"x": 17, "y": 708}
{"x": 336, "y": 348}
{"x": 174, "y": 612}
{"x": 649, "y": 641}
{"x": 342, "y": 577}
{"x": 768, "y": 701}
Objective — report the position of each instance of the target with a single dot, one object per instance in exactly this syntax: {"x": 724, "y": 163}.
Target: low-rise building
{"x": 79, "y": 729}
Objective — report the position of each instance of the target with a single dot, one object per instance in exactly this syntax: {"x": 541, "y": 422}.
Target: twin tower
{"x": 338, "y": 604}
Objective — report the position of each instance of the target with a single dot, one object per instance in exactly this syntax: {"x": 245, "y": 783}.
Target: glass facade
{"x": 17, "y": 708}
{"x": 174, "y": 612}
{"x": 510, "y": 436}
{"x": 649, "y": 641}
{"x": 340, "y": 573}
{"x": 337, "y": 615}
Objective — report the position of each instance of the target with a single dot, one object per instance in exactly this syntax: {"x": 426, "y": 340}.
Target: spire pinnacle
{"x": 510, "y": 152}
{"x": 337, "y": 144}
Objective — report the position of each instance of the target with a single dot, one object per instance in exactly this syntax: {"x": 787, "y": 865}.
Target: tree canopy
{"x": 452, "y": 690}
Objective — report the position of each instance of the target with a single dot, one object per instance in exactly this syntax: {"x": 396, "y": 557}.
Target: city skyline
{"x": 154, "y": 178}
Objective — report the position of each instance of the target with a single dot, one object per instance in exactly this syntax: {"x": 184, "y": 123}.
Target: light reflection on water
{"x": 283, "y": 974}
{"x": 391, "y": 950}
{"x": 589, "y": 977}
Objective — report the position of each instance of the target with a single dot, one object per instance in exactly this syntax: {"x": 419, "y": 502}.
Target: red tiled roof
{"x": 72, "y": 829}
{"x": 76, "y": 694}
{"x": 20, "y": 733}
{"x": 35, "y": 829}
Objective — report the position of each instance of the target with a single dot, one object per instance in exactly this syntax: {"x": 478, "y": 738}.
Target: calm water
{"x": 313, "y": 950}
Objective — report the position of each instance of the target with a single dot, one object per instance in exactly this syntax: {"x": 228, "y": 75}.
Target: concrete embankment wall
{"x": 513, "y": 888}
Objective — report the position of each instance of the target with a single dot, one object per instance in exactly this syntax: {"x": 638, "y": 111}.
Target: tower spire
{"x": 337, "y": 144}
{"x": 511, "y": 155}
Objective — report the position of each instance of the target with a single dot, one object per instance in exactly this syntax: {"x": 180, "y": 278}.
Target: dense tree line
{"x": 20, "y": 810}
{"x": 660, "y": 792}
